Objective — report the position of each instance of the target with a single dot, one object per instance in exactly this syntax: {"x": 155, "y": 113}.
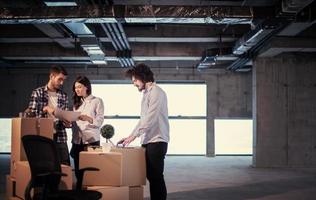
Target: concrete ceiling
{"x": 121, "y": 32}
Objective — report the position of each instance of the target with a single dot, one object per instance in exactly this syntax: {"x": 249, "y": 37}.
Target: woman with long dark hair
{"x": 85, "y": 131}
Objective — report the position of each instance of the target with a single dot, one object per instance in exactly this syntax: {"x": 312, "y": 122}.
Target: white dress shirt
{"x": 153, "y": 125}
{"x": 82, "y": 130}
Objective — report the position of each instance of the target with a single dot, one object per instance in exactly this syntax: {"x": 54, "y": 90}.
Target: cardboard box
{"x": 15, "y": 198}
{"x": 134, "y": 165}
{"x": 24, "y": 176}
{"x": 27, "y": 126}
{"x": 120, "y": 167}
{"x": 109, "y": 165}
{"x": 112, "y": 193}
{"x": 94, "y": 149}
{"x": 10, "y": 187}
{"x": 136, "y": 192}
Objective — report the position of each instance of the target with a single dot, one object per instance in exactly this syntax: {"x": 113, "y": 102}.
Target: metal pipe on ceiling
{"x": 110, "y": 36}
{"x": 123, "y": 35}
{"x": 120, "y": 43}
{"x": 118, "y": 35}
{"x": 124, "y": 62}
{"x": 132, "y": 61}
{"x": 113, "y": 36}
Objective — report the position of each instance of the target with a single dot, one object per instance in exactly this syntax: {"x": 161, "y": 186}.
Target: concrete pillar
{"x": 228, "y": 96}
{"x": 284, "y": 111}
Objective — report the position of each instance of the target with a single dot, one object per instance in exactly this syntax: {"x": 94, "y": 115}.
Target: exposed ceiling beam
{"x": 49, "y": 30}
{"x": 130, "y": 39}
{"x": 29, "y": 40}
{"x": 139, "y": 49}
{"x": 181, "y": 39}
{"x": 133, "y": 14}
{"x": 23, "y": 3}
{"x": 280, "y": 45}
{"x": 294, "y": 6}
{"x": 56, "y": 36}
{"x": 108, "y": 58}
{"x": 197, "y": 3}
{"x": 89, "y": 43}
{"x": 295, "y": 28}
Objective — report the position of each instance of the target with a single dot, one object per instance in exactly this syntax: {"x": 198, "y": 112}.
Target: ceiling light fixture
{"x": 58, "y": 3}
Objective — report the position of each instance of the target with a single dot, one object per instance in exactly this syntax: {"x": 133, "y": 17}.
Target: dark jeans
{"x": 155, "y": 155}
{"x": 63, "y": 153}
{"x": 75, "y": 152}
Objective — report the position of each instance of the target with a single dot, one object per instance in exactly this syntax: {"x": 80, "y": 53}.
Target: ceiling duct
{"x": 253, "y": 38}
{"x": 294, "y": 6}
{"x": 240, "y": 63}
{"x": 88, "y": 42}
{"x": 278, "y": 45}
{"x": 78, "y": 28}
{"x": 250, "y": 44}
{"x": 212, "y": 58}
{"x": 91, "y": 45}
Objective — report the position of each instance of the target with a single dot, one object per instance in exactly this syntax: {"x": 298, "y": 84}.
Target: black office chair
{"x": 46, "y": 172}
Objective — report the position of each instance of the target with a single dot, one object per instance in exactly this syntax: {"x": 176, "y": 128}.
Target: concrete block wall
{"x": 284, "y": 111}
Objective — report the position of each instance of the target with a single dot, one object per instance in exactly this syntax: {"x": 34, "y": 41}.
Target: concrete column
{"x": 228, "y": 96}
{"x": 284, "y": 111}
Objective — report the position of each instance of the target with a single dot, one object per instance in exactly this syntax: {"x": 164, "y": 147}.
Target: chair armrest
{"x": 89, "y": 169}
{"x": 51, "y": 173}
{"x": 81, "y": 173}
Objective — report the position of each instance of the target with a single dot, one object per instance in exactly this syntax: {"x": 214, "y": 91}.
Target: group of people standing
{"x": 153, "y": 126}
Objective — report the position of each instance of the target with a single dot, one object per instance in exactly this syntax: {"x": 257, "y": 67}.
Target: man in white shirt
{"x": 153, "y": 128}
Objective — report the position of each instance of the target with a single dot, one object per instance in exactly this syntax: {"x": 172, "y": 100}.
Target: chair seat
{"x": 75, "y": 195}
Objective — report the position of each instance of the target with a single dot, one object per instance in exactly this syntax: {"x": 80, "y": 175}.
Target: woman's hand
{"x": 86, "y": 118}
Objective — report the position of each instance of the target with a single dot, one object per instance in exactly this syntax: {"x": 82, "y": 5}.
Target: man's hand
{"x": 126, "y": 141}
{"x": 67, "y": 124}
{"x": 121, "y": 141}
{"x": 49, "y": 110}
{"x": 86, "y": 118}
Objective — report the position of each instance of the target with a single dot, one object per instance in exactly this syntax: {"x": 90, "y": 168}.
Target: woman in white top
{"x": 85, "y": 131}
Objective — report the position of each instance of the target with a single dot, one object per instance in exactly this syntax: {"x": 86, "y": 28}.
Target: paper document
{"x": 69, "y": 116}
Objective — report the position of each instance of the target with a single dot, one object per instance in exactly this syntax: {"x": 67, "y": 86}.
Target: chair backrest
{"x": 42, "y": 155}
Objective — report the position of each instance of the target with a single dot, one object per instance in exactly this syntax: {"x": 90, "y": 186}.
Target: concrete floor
{"x": 223, "y": 178}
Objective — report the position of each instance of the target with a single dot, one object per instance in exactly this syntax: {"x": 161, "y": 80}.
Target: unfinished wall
{"x": 284, "y": 111}
{"x": 228, "y": 94}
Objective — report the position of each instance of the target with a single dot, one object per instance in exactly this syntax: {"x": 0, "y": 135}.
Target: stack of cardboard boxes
{"x": 121, "y": 175}
{"x": 20, "y": 173}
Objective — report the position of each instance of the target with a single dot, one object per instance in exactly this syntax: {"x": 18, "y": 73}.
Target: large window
{"x": 5, "y": 135}
{"x": 187, "y": 113}
{"x": 233, "y": 136}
